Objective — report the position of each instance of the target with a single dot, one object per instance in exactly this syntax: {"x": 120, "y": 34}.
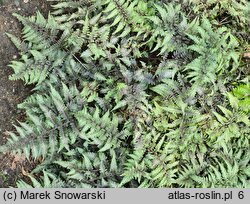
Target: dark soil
{"x": 12, "y": 167}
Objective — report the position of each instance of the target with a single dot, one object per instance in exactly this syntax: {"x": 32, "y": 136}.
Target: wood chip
{"x": 246, "y": 55}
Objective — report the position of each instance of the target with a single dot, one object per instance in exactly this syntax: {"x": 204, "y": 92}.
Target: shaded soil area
{"x": 12, "y": 167}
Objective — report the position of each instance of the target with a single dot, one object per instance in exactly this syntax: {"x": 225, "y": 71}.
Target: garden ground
{"x": 12, "y": 167}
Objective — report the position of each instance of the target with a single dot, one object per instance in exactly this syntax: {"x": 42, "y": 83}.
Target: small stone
{"x": 26, "y": 1}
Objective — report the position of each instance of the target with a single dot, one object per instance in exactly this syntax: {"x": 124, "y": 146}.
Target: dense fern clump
{"x": 135, "y": 94}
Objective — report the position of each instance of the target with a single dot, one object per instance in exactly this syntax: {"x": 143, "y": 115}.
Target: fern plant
{"x": 134, "y": 94}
